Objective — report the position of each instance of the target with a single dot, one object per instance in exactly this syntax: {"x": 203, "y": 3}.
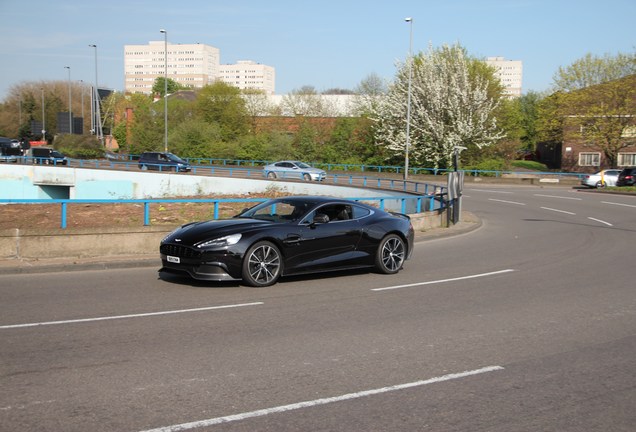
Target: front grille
{"x": 179, "y": 251}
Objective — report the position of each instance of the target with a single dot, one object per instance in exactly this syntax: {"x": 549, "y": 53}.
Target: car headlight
{"x": 221, "y": 241}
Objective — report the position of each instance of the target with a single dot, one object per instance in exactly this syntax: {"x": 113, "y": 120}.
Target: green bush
{"x": 79, "y": 146}
{"x": 537, "y": 166}
{"x": 488, "y": 165}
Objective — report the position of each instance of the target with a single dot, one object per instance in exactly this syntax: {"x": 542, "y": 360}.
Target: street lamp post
{"x": 43, "y": 117}
{"x": 70, "y": 102}
{"x": 165, "y": 89}
{"x": 97, "y": 114}
{"x": 82, "y": 103}
{"x": 408, "y": 100}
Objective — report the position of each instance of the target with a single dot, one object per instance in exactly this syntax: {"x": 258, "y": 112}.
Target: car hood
{"x": 197, "y": 232}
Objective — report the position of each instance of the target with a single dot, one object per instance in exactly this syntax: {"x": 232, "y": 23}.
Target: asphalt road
{"x": 527, "y": 324}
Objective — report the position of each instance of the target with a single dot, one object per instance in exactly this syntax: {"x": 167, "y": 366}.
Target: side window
{"x": 360, "y": 212}
{"x": 337, "y": 212}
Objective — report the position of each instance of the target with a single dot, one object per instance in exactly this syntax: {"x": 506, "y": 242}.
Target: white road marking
{"x": 507, "y": 202}
{"x": 116, "y": 317}
{"x": 443, "y": 280}
{"x": 491, "y": 191}
{"x": 323, "y": 401}
{"x": 559, "y": 197}
{"x": 558, "y": 211}
{"x": 619, "y": 204}
{"x": 601, "y": 221}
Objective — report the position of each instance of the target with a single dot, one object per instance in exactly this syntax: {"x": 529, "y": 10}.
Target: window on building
{"x": 627, "y": 159}
{"x": 589, "y": 159}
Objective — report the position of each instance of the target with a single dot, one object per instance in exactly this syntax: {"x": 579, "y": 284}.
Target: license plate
{"x": 172, "y": 259}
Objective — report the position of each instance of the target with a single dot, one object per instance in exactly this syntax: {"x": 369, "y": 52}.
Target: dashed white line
{"x": 117, "y": 317}
{"x": 558, "y": 211}
{"x": 507, "y": 202}
{"x": 601, "y": 221}
{"x": 559, "y": 197}
{"x": 443, "y": 280}
{"x": 323, "y": 401}
{"x": 619, "y": 204}
{"x": 492, "y": 191}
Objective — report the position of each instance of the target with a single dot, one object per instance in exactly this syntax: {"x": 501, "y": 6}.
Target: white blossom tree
{"x": 452, "y": 104}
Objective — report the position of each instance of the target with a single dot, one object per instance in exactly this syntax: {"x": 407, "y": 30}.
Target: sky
{"x": 324, "y": 44}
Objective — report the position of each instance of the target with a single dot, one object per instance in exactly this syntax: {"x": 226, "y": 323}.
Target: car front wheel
{"x": 262, "y": 265}
{"x": 391, "y": 254}
{"x": 306, "y": 177}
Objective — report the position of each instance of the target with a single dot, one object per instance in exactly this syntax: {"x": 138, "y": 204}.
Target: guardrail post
{"x": 146, "y": 213}
{"x": 216, "y": 210}
{"x": 63, "y": 222}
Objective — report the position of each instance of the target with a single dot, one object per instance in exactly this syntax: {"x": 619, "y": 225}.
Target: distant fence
{"x": 216, "y": 165}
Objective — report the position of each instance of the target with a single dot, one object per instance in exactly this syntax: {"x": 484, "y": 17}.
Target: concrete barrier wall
{"x": 37, "y": 182}
{"x": 86, "y": 243}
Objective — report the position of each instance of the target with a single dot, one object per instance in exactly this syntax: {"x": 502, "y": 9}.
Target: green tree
{"x": 195, "y": 138}
{"x": 158, "y": 88}
{"x": 222, "y": 104}
{"x": 592, "y": 69}
{"x": 604, "y": 115}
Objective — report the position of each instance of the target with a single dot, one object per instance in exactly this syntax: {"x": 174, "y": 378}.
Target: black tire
{"x": 143, "y": 167}
{"x": 306, "y": 177}
{"x": 262, "y": 264}
{"x": 391, "y": 254}
{"x": 600, "y": 184}
{"x": 271, "y": 175}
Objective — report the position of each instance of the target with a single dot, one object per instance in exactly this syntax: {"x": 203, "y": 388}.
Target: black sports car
{"x": 291, "y": 235}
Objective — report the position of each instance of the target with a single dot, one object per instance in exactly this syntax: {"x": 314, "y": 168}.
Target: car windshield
{"x": 175, "y": 158}
{"x": 278, "y": 211}
{"x": 57, "y": 154}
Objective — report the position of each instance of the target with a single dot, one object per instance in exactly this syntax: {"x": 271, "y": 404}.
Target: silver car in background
{"x": 601, "y": 179}
{"x": 293, "y": 170}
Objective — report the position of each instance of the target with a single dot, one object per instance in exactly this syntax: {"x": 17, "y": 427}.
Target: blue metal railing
{"x": 422, "y": 203}
{"x": 229, "y": 165}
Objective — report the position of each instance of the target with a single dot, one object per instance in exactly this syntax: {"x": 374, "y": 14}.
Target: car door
{"x": 323, "y": 245}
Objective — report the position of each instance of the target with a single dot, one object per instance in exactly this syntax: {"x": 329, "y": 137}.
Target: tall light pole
{"x": 82, "y": 104}
{"x": 70, "y": 102}
{"x": 97, "y": 119}
{"x": 43, "y": 117}
{"x": 408, "y": 100}
{"x": 165, "y": 89}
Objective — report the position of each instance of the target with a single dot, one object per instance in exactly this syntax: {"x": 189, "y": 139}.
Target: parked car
{"x": 293, "y": 169}
{"x": 47, "y": 156}
{"x": 162, "y": 162}
{"x": 627, "y": 177}
{"x": 601, "y": 179}
{"x": 9, "y": 150}
{"x": 291, "y": 235}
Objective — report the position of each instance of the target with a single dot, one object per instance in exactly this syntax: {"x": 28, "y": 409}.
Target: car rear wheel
{"x": 271, "y": 175}
{"x": 600, "y": 184}
{"x": 262, "y": 265}
{"x": 391, "y": 254}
